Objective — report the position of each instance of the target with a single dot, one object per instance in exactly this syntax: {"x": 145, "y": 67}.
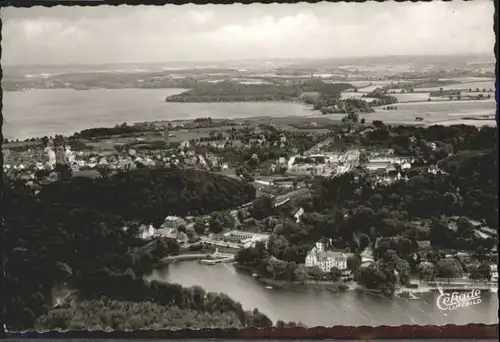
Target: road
{"x": 317, "y": 148}
{"x": 291, "y": 195}
{"x": 220, "y": 243}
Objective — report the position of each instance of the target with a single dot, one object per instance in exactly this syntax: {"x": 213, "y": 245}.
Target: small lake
{"x": 320, "y": 307}
{"x": 37, "y": 113}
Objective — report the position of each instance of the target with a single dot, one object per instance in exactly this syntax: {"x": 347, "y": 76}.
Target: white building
{"x": 326, "y": 260}
{"x": 251, "y": 242}
{"x": 367, "y": 257}
{"x": 52, "y": 155}
{"x": 247, "y": 239}
{"x": 70, "y": 155}
{"x": 173, "y": 222}
{"x": 494, "y": 272}
{"x": 146, "y": 232}
{"x": 405, "y": 165}
{"x": 298, "y": 214}
{"x": 185, "y": 144}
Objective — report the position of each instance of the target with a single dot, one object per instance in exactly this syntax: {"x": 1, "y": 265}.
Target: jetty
{"x": 452, "y": 286}
{"x": 217, "y": 258}
{"x": 204, "y": 258}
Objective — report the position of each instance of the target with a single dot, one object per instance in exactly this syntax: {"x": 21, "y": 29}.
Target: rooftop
{"x": 332, "y": 255}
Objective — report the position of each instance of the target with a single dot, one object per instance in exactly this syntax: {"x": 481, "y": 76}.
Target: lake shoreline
{"x": 46, "y": 112}
{"x": 328, "y": 307}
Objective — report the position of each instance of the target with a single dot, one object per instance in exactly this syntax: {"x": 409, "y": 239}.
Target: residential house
{"x": 494, "y": 272}
{"x": 298, "y": 214}
{"x": 480, "y": 234}
{"x": 149, "y": 162}
{"x": 173, "y": 222}
{"x": 167, "y": 232}
{"x": 52, "y": 156}
{"x": 367, "y": 257}
{"x": 424, "y": 245}
{"x": 189, "y": 219}
{"x": 489, "y": 231}
{"x": 172, "y": 233}
{"x": 251, "y": 242}
{"x": 245, "y": 235}
{"x": 146, "y": 232}
{"x": 405, "y": 165}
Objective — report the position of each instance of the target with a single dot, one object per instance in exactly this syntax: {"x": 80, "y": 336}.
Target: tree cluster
{"x": 149, "y": 195}
{"x": 75, "y": 227}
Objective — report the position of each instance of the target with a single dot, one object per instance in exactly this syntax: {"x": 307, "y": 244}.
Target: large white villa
{"x": 326, "y": 260}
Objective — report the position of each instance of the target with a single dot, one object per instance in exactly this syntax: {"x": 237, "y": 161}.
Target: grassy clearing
{"x": 463, "y": 86}
{"x": 433, "y": 112}
{"x": 411, "y": 97}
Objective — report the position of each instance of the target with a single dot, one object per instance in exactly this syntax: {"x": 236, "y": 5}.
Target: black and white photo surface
{"x": 249, "y": 166}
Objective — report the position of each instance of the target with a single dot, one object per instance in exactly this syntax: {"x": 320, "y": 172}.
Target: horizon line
{"x": 258, "y": 60}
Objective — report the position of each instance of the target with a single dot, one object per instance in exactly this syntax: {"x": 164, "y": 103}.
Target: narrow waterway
{"x": 324, "y": 308}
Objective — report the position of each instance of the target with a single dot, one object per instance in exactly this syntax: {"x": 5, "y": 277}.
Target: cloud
{"x": 106, "y": 34}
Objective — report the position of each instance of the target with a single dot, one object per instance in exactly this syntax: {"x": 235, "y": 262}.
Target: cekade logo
{"x": 455, "y": 300}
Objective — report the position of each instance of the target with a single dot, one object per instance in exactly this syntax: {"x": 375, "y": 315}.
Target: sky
{"x": 152, "y": 34}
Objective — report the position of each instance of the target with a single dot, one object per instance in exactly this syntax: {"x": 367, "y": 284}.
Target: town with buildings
{"x": 284, "y": 180}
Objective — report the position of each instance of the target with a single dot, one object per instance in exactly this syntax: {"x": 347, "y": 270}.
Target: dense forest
{"x": 229, "y": 91}
{"x": 76, "y": 230}
{"x": 149, "y": 195}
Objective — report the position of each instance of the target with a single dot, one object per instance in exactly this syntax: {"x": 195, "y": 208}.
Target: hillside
{"x": 149, "y": 195}
{"x": 72, "y": 233}
{"x": 482, "y": 164}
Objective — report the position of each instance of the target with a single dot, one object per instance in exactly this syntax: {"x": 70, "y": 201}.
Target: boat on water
{"x": 407, "y": 294}
{"x": 269, "y": 287}
{"x": 207, "y": 262}
{"x": 255, "y": 275}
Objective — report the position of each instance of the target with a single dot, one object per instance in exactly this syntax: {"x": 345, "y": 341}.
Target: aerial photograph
{"x": 234, "y": 166}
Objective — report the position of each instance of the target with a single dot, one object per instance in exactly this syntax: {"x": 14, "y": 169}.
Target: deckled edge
{"x": 470, "y": 331}
{"x": 450, "y": 331}
{"x": 51, "y": 3}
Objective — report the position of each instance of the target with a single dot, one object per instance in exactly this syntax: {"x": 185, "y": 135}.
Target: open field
{"x": 411, "y": 97}
{"x": 359, "y": 95}
{"x": 358, "y": 84}
{"x": 374, "y": 85}
{"x": 463, "y": 86}
{"x": 433, "y": 112}
{"x": 468, "y": 79}
{"x": 477, "y": 123}
{"x": 474, "y": 94}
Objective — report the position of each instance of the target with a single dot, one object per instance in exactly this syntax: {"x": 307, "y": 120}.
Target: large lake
{"x": 324, "y": 308}
{"x": 37, "y": 113}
